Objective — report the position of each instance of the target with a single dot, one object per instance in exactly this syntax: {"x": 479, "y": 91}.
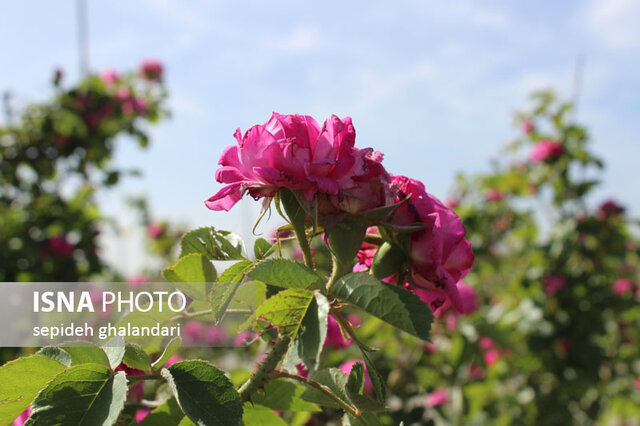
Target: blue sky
{"x": 431, "y": 84}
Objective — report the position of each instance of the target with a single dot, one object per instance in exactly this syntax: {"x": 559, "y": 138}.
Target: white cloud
{"x": 615, "y": 22}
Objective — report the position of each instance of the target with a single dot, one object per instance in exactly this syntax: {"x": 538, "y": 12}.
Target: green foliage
{"x": 213, "y": 244}
{"x": 284, "y": 273}
{"x": 204, "y": 393}
{"x": 136, "y": 357}
{"x": 397, "y": 306}
{"x": 283, "y": 395}
{"x": 191, "y": 275}
{"x": 87, "y": 394}
{"x": 20, "y": 382}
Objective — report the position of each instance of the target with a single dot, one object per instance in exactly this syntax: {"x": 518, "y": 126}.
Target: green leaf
{"x": 186, "y": 421}
{"x": 170, "y": 349}
{"x": 114, "y": 349}
{"x": 87, "y": 394}
{"x": 261, "y": 248}
{"x": 235, "y": 272}
{"x": 283, "y": 395}
{"x": 223, "y": 291}
{"x": 284, "y": 273}
{"x": 376, "y": 379}
{"x": 169, "y": 413}
{"x": 57, "y": 354}
{"x": 258, "y": 415}
{"x": 365, "y": 419}
{"x": 21, "y": 380}
{"x": 85, "y": 352}
{"x": 355, "y": 384}
{"x": 214, "y": 245}
{"x": 204, "y": 393}
{"x": 395, "y": 305}
{"x": 284, "y": 310}
{"x": 136, "y": 357}
{"x": 191, "y": 275}
{"x": 309, "y": 341}
{"x": 337, "y": 381}
{"x": 160, "y": 313}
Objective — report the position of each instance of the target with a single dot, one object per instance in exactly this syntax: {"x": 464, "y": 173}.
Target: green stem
{"x": 350, "y": 331}
{"x": 261, "y": 375}
{"x": 306, "y": 248}
{"x": 322, "y": 388}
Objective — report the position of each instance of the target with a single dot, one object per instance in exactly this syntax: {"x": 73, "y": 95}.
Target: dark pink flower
{"x": 493, "y": 194}
{"x": 290, "y": 151}
{"x": 546, "y": 150}
{"x": 172, "y": 360}
{"x": 346, "y": 367}
{"x": 485, "y": 343}
{"x": 136, "y": 392}
{"x": 491, "y": 357}
{"x": 440, "y": 255}
{"x": 553, "y": 284}
{"x": 609, "y": 209}
{"x": 334, "y": 337}
{"x": 437, "y": 397}
{"x": 476, "y": 372}
{"x": 141, "y": 413}
{"x": 244, "y": 338}
{"x": 59, "y": 246}
{"x": 623, "y": 286}
{"x": 155, "y": 229}
{"x": 367, "y": 252}
{"x": 151, "y": 69}
{"x": 216, "y": 335}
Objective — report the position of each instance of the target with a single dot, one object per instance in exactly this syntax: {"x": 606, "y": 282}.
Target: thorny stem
{"x": 261, "y": 375}
{"x": 306, "y": 248}
{"x": 322, "y": 388}
{"x": 346, "y": 325}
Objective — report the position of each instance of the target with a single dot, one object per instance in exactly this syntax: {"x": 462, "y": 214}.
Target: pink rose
{"x": 193, "y": 331}
{"x": 109, "y": 76}
{"x": 553, "y": 284}
{"x": 609, "y": 209}
{"x": 151, "y": 69}
{"x": 494, "y": 195}
{"x": 155, "y": 229}
{"x": 291, "y": 151}
{"x": 485, "y": 343}
{"x": 491, "y": 357}
{"x": 440, "y": 255}
{"x": 334, "y": 337}
{"x": 623, "y": 286}
{"x": 367, "y": 252}
{"x": 244, "y": 338}
{"x": 59, "y": 246}
{"x": 215, "y": 335}
{"x": 527, "y": 126}
{"x": 546, "y": 150}
{"x": 437, "y": 397}
{"x": 136, "y": 392}
{"x": 346, "y": 367}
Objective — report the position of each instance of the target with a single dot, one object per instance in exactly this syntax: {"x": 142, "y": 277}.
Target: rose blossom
{"x": 293, "y": 152}
{"x": 437, "y": 397}
{"x": 59, "y": 246}
{"x": 493, "y": 194}
{"x": 346, "y": 367}
{"x": 609, "y": 209}
{"x": 155, "y": 229}
{"x": 546, "y": 150}
{"x": 440, "y": 255}
{"x": 623, "y": 286}
{"x": 109, "y": 76}
{"x": 553, "y": 284}
{"x": 527, "y": 126}
{"x": 151, "y": 69}
{"x": 491, "y": 357}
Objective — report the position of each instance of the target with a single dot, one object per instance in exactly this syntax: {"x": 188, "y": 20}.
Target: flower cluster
{"x": 546, "y": 150}
{"x": 324, "y": 166}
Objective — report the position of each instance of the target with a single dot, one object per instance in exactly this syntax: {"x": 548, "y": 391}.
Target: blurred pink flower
{"x": 623, "y": 286}
{"x": 141, "y": 414}
{"x": 244, "y": 338}
{"x": 151, "y": 69}
{"x": 346, "y": 367}
{"x": 491, "y": 357}
{"x": 172, "y": 360}
{"x": 59, "y": 246}
{"x": 553, "y": 284}
{"x": 485, "y": 343}
{"x": 334, "y": 337}
{"x": 546, "y": 150}
{"x": 527, "y": 126}
{"x": 437, "y": 397}
{"x": 290, "y": 151}
{"x": 216, "y": 335}
{"x": 156, "y": 229}
{"x": 109, "y": 76}
{"x": 440, "y": 254}
{"x": 609, "y": 209}
{"x": 493, "y": 194}
{"x": 637, "y": 383}
{"x": 193, "y": 331}
{"x": 452, "y": 202}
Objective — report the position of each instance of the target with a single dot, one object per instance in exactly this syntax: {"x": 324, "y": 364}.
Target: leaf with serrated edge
{"x": 20, "y": 382}
{"x": 170, "y": 349}
{"x": 285, "y": 310}
{"x": 204, "y": 393}
{"x": 213, "y": 244}
{"x": 83, "y": 395}
{"x": 284, "y": 273}
{"x": 309, "y": 342}
{"x": 337, "y": 381}
{"x": 57, "y": 354}
{"x": 257, "y": 415}
{"x": 114, "y": 349}
{"x": 283, "y": 395}
{"x": 190, "y": 275}
{"x": 397, "y": 306}
{"x": 84, "y": 352}
{"x": 136, "y": 357}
